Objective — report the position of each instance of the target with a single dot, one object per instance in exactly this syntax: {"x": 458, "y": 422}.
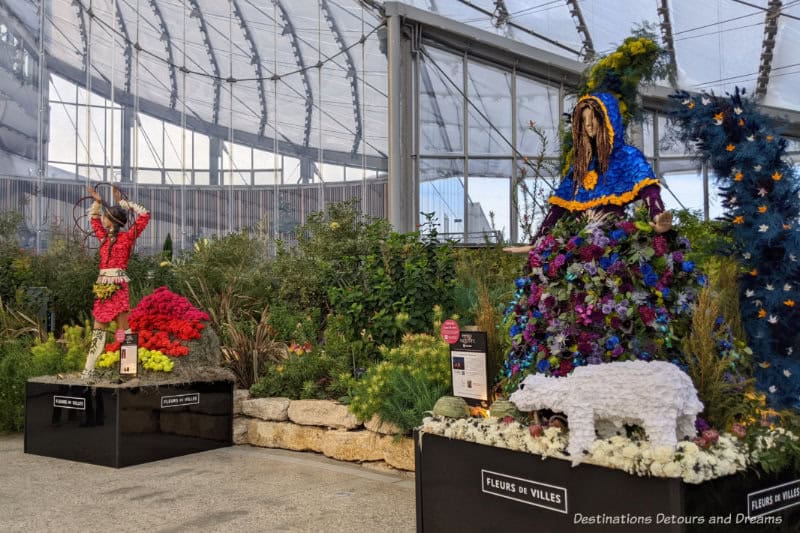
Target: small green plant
{"x": 774, "y": 442}
{"x": 312, "y": 375}
{"x": 77, "y": 340}
{"x": 166, "y": 250}
{"x": 421, "y": 364}
{"x": 408, "y": 396}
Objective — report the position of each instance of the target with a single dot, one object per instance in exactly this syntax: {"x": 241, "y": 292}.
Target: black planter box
{"x": 121, "y": 425}
{"x": 465, "y": 487}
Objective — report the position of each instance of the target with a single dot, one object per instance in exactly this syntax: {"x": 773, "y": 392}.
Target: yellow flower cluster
{"x": 104, "y": 290}
{"x": 155, "y": 360}
{"x": 150, "y": 359}
{"x": 623, "y": 57}
{"x": 108, "y": 359}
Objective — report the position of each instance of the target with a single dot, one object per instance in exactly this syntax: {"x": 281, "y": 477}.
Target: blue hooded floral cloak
{"x": 628, "y": 170}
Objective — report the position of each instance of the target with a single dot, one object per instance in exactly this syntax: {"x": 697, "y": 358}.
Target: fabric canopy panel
{"x": 303, "y": 77}
{"x": 718, "y": 44}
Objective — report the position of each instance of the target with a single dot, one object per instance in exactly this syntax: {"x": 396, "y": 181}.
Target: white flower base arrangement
{"x": 656, "y": 395}
{"x": 686, "y": 461}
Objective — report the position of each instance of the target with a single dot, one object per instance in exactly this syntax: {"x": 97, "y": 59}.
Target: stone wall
{"x": 321, "y": 426}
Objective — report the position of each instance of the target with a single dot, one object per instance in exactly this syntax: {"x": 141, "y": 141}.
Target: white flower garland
{"x": 688, "y": 461}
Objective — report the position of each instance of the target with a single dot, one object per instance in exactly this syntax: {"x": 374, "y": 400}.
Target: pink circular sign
{"x": 450, "y": 331}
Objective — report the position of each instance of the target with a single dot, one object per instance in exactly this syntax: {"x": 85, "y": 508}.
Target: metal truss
{"x": 128, "y": 52}
{"x": 666, "y": 32}
{"x": 255, "y": 60}
{"x": 84, "y": 37}
{"x": 212, "y": 58}
{"x": 352, "y": 74}
{"x": 767, "y": 46}
{"x": 173, "y": 78}
{"x": 288, "y": 29}
{"x": 580, "y": 24}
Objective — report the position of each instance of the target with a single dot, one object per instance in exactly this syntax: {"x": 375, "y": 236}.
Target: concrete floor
{"x": 231, "y": 489}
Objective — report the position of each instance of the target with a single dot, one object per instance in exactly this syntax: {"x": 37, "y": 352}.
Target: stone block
{"x": 284, "y": 435}
{"x": 379, "y": 426}
{"x": 239, "y": 397}
{"x": 400, "y": 454}
{"x": 354, "y": 445}
{"x": 240, "y": 424}
{"x": 274, "y": 409}
{"x": 323, "y": 413}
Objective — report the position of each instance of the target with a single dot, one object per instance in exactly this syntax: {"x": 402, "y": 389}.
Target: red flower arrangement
{"x": 164, "y": 320}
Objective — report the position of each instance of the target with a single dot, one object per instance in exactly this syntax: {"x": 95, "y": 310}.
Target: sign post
{"x": 129, "y": 356}
{"x": 468, "y": 367}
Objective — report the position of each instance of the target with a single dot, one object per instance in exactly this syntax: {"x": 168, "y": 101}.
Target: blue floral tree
{"x": 759, "y": 189}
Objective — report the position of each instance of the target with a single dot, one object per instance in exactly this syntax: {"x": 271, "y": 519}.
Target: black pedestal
{"x": 126, "y": 425}
{"x": 465, "y": 487}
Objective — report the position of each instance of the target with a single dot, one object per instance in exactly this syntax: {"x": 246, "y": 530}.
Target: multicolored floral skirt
{"x": 112, "y": 304}
{"x": 600, "y": 289}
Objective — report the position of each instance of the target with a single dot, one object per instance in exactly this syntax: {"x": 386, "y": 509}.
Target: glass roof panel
{"x": 717, "y": 44}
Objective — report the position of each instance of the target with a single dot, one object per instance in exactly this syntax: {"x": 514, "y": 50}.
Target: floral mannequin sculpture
{"x": 600, "y": 287}
{"x": 111, "y": 288}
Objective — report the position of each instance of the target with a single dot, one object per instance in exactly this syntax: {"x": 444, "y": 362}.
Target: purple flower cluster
{"x": 599, "y": 293}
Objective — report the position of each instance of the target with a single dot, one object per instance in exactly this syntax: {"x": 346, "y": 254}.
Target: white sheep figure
{"x": 655, "y": 395}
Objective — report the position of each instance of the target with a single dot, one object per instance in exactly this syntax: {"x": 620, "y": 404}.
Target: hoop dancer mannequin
{"x": 112, "y": 301}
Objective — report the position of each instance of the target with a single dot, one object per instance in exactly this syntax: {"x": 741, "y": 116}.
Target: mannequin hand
{"x": 662, "y": 222}
{"x": 94, "y": 194}
{"x": 518, "y": 249}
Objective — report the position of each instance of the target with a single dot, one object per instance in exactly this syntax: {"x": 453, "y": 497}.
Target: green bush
{"x": 289, "y": 325}
{"x": 228, "y": 277}
{"x": 313, "y": 375}
{"x": 408, "y": 382}
{"x": 488, "y": 269}
{"x": 15, "y": 263}
{"x": 147, "y": 275}
{"x": 329, "y": 252}
{"x": 68, "y": 272}
{"x": 16, "y": 366}
{"x": 396, "y": 287}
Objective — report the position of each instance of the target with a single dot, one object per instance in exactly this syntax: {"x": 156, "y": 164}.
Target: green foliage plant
{"x": 248, "y": 346}
{"x": 719, "y": 368}
{"x": 77, "y": 340}
{"x": 15, "y": 324}
{"x": 330, "y": 248}
{"x": 420, "y": 365}
{"x": 166, "y": 250}
{"x": 776, "y": 449}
